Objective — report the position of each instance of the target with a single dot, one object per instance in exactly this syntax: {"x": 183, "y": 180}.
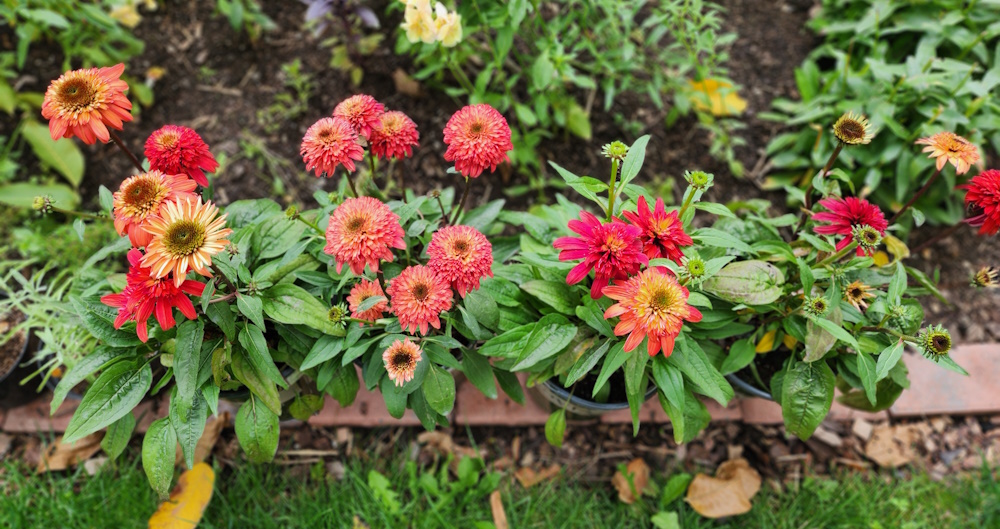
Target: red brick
{"x": 763, "y": 411}
{"x": 34, "y": 416}
{"x": 367, "y": 411}
{"x": 475, "y": 409}
{"x": 935, "y": 390}
{"x": 652, "y": 413}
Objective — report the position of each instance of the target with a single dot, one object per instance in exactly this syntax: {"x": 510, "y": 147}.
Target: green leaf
{"x": 61, "y": 155}
{"x": 86, "y": 366}
{"x": 633, "y": 161}
{"x": 949, "y": 364}
{"x": 277, "y": 235}
{"x": 116, "y": 392}
{"x": 222, "y": 315}
{"x": 806, "y": 396}
{"x": 370, "y": 302}
{"x": 326, "y": 348}
{"x": 510, "y": 385}
{"x": 556, "y": 294}
{"x": 98, "y": 318}
{"x": 741, "y": 353}
{"x": 578, "y": 121}
{"x": 752, "y": 282}
{"x": 555, "y": 428}
{"x": 897, "y": 286}
{"x": 542, "y": 71}
{"x": 118, "y": 435}
{"x": 669, "y": 380}
{"x": 590, "y": 312}
{"x": 188, "y": 421}
{"x": 394, "y": 398}
{"x": 22, "y": 195}
{"x": 818, "y": 341}
{"x": 344, "y": 385}
{"x": 159, "y": 448}
{"x": 252, "y": 340}
{"x": 305, "y": 406}
{"x": 665, "y": 520}
{"x": 615, "y": 359}
{"x": 187, "y": 361}
{"x": 257, "y": 430}
{"x": 481, "y": 217}
{"x": 483, "y": 308}
{"x": 694, "y": 363}
{"x": 866, "y": 371}
{"x": 287, "y": 303}
{"x": 721, "y": 239}
{"x": 264, "y": 389}
{"x": 674, "y": 489}
{"x": 586, "y": 362}
{"x": 252, "y": 307}
{"x": 688, "y": 421}
{"x": 439, "y": 390}
{"x": 836, "y": 330}
{"x": 888, "y": 359}
{"x": 550, "y": 336}
{"x": 478, "y": 370}
{"x": 635, "y": 385}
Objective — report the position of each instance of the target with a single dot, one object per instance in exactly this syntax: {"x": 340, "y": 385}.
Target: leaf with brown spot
{"x": 632, "y": 484}
{"x": 499, "y": 516}
{"x": 728, "y": 493}
{"x": 60, "y": 456}
{"x": 529, "y": 478}
{"x": 187, "y": 501}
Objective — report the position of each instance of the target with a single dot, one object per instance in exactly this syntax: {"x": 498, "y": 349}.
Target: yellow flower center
{"x": 460, "y": 247}
{"x": 167, "y": 140}
{"x": 662, "y": 301}
{"x": 183, "y": 237}
{"x": 143, "y": 194}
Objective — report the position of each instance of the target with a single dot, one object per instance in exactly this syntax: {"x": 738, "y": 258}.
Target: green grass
{"x": 271, "y": 496}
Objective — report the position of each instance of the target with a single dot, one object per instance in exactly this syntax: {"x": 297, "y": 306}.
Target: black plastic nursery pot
{"x": 746, "y": 388}
{"x": 560, "y": 397}
{"x": 12, "y": 353}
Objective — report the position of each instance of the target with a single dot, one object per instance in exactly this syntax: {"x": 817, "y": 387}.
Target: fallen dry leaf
{"x": 210, "y": 436}
{"x": 499, "y": 516}
{"x": 892, "y": 446}
{"x": 405, "y": 84}
{"x": 60, "y": 456}
{"x": 529, "y": 478}
{"x": 728, "y": 493}
{"x": 717, "y": 97}
{"x": 638, "y": 471}
{"x": 358, "y": 524}
{"x": 187, "y": 501}
{"x": 444, "y": 444}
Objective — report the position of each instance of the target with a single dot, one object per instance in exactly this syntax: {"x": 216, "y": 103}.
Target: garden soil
{"x": 216, "y": 80}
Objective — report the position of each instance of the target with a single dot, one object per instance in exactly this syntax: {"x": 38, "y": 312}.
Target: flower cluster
{"x": 423, "y": 24}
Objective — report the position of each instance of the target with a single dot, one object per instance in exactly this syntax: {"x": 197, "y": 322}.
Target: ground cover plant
{"x": 914, "y": 68}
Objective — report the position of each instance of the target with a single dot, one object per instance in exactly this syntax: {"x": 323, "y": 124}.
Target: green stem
{"x": 461, "y": 204}
{"x": 611, "y": 188}
{"x": 839, "y": 255}
{"x": 687, "y": 202}
{"x": 916, "y": 196}
{"x": 371, "y": 163}
{"x": 897, "y": 334}
{"x": 350, "y": 182}
{"x": 312, "y": 225}
{"x": 78, "y": 213}
{"x": 460, "y": 76}
{"x": 809, "y": 203}
{"x": 444, "y": 214}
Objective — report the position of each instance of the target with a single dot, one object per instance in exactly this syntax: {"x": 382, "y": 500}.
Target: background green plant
{"x": 550, "y": 69}
{"x": 915, "y": 69}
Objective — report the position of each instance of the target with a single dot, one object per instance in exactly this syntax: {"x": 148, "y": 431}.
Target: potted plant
{"x": 796, "y": 305}
{"x": 390, "y": 284}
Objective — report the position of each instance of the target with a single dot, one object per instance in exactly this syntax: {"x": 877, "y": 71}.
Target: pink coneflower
{"x": 418, "y": 297}
{"x": 328, "y": 143}
{"x": 140, "y": 198}
{"x": 363, "y": 231}
{"x": 613, "y": 250}
{"x": 460, "y": 255}
{"x": 982, "y": 198}
{"x": 145, "y": 295}
{"x": 477, "y": 137}
{"x": 395, "y": 136}
{"x": 362, "y": 291}
{"x": 662, "y": 232}
{"x": 84, "y": 103}
{"x": 362, "y": 111}
{"x": 654, "y": 305}
{"x": 174, "y": 149}
{"x": 401, "y": 359}
{"x": 846, "y": 213}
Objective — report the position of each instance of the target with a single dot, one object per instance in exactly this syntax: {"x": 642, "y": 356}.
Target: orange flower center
{"x": 401, "y": 361}
{"x": 420, "y": 291}
{"x": 614, "y": 244}
{"x": 355, "y": 224}
{"x": 460, "y": 246}
{"x": 183, "y": 237}
{"x": 662, "y": 300}
{"x": 77, "y": 94}
{"x": 143, "y": 194}
{"x": 167, "y": 140}
{"x": 476, "y": 128}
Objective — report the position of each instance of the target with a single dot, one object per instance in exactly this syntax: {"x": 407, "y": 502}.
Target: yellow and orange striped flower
{"x": 186, "y": 235}
{"x": 652, "y": 304}
{"x": 84, "y": 103}
{"x": 950, "y": 147}
{"x": 141, "y": 197}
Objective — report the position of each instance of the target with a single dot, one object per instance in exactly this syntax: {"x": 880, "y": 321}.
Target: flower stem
{"x": 444, "y": 214}
{"x": 611, "y": 188}
{"x": 837, "y": 256}
{"x": 232, "y": 287}
{"x": 915, "y": 196}
{"x": 460, "y": 75}
{"x": 77, "y": 213}
{"x": 121, "y": 145}
{"x": 461, "y": 203}
{"x": 687, "y": 202}
{"x": 350, "y": 182}
{"x": 371, "y": 163}
{"x": 809, "y": 202}
{"x": 312, "y": 225}
{"x": 220, "y": 299}
{"x": 943, "y": 235}
{"x": 381, "y": 279}
{"x": 897, "y": 334}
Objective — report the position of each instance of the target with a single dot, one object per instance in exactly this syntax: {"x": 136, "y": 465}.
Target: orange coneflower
{"x": 460, "y": 255}
{"x": 175, "y": 149}
{"x": 362, "y": 291}
{"x": 84, "y": 103}
{"x": 140, "y": 197}
{"x": 362, "y": 231}
{"x": 328, "y": 143}
{"x": 401, "y": 360}
{"x": 362, "y": 111}
{"x": 418, "y": 297}
{"x": 186, "y": 235}
{"x": 477, "y": 137}
{"x": 950, "y": 147}
{"x": 652, "y": 304}
{"x": 394, "y": 136}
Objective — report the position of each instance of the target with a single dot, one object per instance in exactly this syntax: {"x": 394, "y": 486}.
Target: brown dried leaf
{"x": 529, "y": 478}
{"x": 405, "y": 84}
{"x": 61, "y": 456}
{"x": 892, "y": 446}
{"x": 358, "y": 524}
{"x": 210, "y": 436}
{"x": 728, "y": 493}
{"x": 499, "y": 516}
{"x": 638, "y": 471}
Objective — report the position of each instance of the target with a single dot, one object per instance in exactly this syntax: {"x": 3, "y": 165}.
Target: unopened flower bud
{"x": 292, "y": 212}
{"x": 699, "y": 179}
{"x": 42, "y": 203}
{"x": 934, "y": 341}
{"x": 615, "y": 150}
{"x": 868, "y": 238}
{"x": 816, "y": 306}
{"x": 338, "y": 314}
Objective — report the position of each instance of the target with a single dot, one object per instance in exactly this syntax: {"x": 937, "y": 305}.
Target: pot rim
{"x": 20, "y": 357}
{"x": 747, "y": 388}
{"x": 563, "y": 393}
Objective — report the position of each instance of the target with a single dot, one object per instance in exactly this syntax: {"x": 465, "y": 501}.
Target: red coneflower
{"x": 145, "y": 295}
{"x": 418, "y": 297}
{"x": 84, "y": 103}
{"x": 362, "y": 291}
{"x": 982, "y": 198}
{"x": 395, "y": 136}
{"x": 460, "y": 255}
{"x": 174, "y": 149}
{"x": 140, "y": 197}
{"x": 328, "y": 143}
{"x": 186, "y": 235}
{"x": 846, "y": 213}
{"x": 662, "y": 232}
{"x": 362, "y": 231}
{"x": 362, "y": 111}
{"x": 401, "y": 360}
{"x": 612, "y": 250}
{"x": 950, "y": 147}
{"x": 477, "y": 137}
{"x": 654, "y": 305}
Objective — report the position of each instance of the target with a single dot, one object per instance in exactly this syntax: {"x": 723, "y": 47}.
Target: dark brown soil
{"x": 12, "y": 349}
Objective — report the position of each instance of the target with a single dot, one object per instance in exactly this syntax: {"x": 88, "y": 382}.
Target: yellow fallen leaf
{"x": 896, "y": 247}
{"x": 499, "y": 515}
{"x": 717, "y": 97}
{"x": 187, "y": 501}
{"x": 127, "y": 14}
{"x": 638, "y": 472}
{"x": 881, "y": 258}
{"x": 728, "y": 493}
{"x": 789, "y": 341}
{"x": 766, "y": 343}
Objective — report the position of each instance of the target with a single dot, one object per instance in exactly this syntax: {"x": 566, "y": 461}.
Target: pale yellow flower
{"x": 418, "y": 22}
{"x": 449, "y": 26}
